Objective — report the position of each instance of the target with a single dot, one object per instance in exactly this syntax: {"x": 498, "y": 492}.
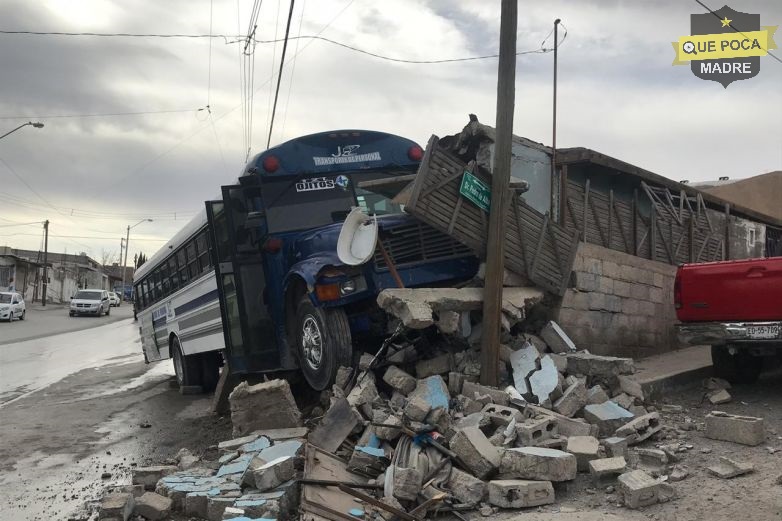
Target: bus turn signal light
{"x": 272, "y": 245}
{"x": 271, "y": 164}
{"x": 326, "y": 292}
{"x": 415, "y": 153}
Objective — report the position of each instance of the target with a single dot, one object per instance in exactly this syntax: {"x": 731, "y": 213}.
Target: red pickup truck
{"x": 734, "y": 306}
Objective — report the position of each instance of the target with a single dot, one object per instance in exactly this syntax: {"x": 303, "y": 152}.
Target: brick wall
{"x": 620, "y": 305}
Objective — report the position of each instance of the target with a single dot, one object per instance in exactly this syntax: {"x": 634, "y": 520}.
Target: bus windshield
{"x": 312, "y": 201}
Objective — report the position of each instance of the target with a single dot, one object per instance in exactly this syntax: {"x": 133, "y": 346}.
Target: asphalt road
{"x": 78, "y": 409}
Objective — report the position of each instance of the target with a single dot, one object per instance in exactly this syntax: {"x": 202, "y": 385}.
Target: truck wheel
{"x": 741, "y": 368}
{"x": 323, "y": 342}
{"x": 187, "y": 368}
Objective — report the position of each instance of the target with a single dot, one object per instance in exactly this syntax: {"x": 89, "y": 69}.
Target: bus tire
{"x": 210, "y": 370}
{"x": 187, "y": 368}
{"x": 323, "y": 342}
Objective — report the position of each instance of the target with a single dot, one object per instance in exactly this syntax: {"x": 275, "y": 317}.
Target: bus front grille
{"x": 417, "y": 242}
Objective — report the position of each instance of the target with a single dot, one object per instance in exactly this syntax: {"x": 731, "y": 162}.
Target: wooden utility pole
{"x": 495, "y": 248}
{"x": 45, "y": 261}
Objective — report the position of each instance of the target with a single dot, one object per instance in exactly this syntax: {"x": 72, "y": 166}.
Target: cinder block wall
{"x": 621, "y": 304}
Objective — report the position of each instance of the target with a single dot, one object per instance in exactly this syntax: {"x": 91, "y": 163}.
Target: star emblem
{"x": 726, "y": 22}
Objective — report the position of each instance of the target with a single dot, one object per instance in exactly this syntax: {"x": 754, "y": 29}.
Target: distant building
{"x": 22, "y": 271}
{"x": 761, "y": 193}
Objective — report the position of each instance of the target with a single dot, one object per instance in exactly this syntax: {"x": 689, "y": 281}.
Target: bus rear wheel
{"x": 188, "y": 369}
{"x": 323, "y": 342}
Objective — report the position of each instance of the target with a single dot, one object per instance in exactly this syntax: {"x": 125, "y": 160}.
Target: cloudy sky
{"x": 93, "y": 176}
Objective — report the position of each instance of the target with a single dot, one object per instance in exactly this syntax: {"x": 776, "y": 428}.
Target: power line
{"x": 293, "y": 70}
{"x": 77, "y": 212}
{"x": 123, "y": 35}
{"x": 709, "y": 9}
{"x": 279, "y": 75}
{"x": 103, "y": 114}
{"x": 209, "y": 73}
{"x": 142, "y": 239}
{"x": 36, "y": 223}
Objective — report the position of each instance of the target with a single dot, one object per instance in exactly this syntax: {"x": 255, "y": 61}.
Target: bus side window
{"x": 182, "y": 261}
{"x": 165, "y": 282}
{"x": 204, "y": 259}
{"x": 192, "y": 260}
{"x": 172, "y": 271}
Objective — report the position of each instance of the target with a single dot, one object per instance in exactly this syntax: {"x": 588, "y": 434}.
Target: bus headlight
{"x": 347, "y": 287}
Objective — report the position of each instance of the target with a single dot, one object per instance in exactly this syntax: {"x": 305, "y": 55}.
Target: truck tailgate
{"x": 744, "y": 290}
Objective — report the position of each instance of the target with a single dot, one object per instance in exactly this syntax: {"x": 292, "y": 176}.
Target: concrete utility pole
{"x": 45, "y": 261}
{"x": 495, "y": 248}
{"x": 127, "y": 247}
{"x": 554, "y": 116}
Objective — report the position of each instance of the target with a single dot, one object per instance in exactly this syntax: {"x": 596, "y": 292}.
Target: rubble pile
{"x": 411, "y": 432}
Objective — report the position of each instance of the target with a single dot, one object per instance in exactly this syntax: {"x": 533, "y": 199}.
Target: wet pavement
{"x": 80, "y": 409}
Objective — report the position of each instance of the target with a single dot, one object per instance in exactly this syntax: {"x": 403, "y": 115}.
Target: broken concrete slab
{"x": 467, "y": 489}
{"x": 524, "y": 362}
{"x": 430, "y": 394}
{"x": 152, "y": 506}
{"x": 118, "y": 505}
{"x": 472, "y": 389}
{"x": 641, "y": 428}
{"x": 638, "y": 489}
{"x": 597, "y": 395}
{"x": 399, "y": 380}
{"x": 216, "y": 506}
{"x": 653, "y": 458}
{"x": 407, "y": 483}
{"x": 476, "y": 452}
{"x": 728, "y": 468}
{"x": 538, "y": 463}
{"x": 585, "y": 449}
{"x": 631, "y": 386}
{"x": 440, "y": 364}
{"x": 573, "y": 399}
{"x": 274, "y": 473}
{"x": 746, "y": 430}
{"x": 225, "y": 447}
{"x": 267, "y": 405}
{"x": 454, "y": 323}
{"x": 615, "y": 446}
{"x": 149, "y": 476}
{"x": 623, "y": 400}
{"x": 337, "y": 424}
{"x": 585, "y": 363}
{"x": 517, "y": 493}
{"x": 544, "y": 381}
{"x": 607, "y": 467}
{"x": 363, "y": 394}
{"x": 557, "y": 339}
{"x": 719, "y": 397}
{"x": 608, "y": 417}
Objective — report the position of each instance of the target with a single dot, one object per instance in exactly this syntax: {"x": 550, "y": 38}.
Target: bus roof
{"x": 195, "y": 224}
{"x": 336, "y": 151}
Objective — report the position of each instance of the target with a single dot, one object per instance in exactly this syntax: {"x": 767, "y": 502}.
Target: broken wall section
{"x": 621, "y": 305}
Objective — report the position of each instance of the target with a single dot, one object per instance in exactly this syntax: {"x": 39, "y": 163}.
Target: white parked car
{"x": 11, "y": 306}
{"x": 114, "y": 299}
{"x": 90, "y": 302}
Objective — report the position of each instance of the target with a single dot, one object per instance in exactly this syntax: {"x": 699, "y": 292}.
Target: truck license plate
{"x": 770, "y": 331}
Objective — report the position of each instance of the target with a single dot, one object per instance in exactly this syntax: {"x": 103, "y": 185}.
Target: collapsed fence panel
{"x": 535, "y": 246}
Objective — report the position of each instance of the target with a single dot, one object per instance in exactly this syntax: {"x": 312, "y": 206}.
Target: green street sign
{"x": 475, "y": 191}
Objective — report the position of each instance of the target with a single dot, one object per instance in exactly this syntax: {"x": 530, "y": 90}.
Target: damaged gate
{"x": 535, "y": 246}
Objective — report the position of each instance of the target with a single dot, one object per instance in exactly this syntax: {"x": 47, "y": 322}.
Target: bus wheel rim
{"x": 312, "y": 342}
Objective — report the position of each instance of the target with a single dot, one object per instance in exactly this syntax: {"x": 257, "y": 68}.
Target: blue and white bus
{"x": 267, "y": 289}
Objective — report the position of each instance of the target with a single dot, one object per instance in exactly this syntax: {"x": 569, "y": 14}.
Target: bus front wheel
{"x": 187, "y": 368}
{"x": 323, "y": 342}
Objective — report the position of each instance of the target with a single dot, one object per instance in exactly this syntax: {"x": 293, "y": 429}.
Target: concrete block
{"x": 545, "y": 381}
{"x": 399, "y": 380}
{"x": 363, "y": 395}
{"x": 118, "y": 505}
{"x": 225, "y": 447}
{"x": 653, "y": 458}
{"x": 274, "y": 473}
{"x": 557, "y": 339}
{"x": 719, "y": 397}
{"x": 501, "y": 415}
{"x": 475, "y": 450}
{"x": 596, "y": 395}
{"x": 538, "y": 463}
{"x": 532, "y": 431}
{"x": 387, "y": 433}
{"x": 524, "y": 362}
{"x": 470, "y": 389}
{"x": 466, "y": 488}
{"x": 746, "y": 430}
{"x": 438, "y": 365}
{"x": 587, "y": 281}
{"x": 631, "y": 386}
{"x": 623, "y": 400}
{"x": 615, "y": 446}
{"x": 153, "y": 506}
{"x": 573, "y": 399}
{"x": 454, "y": 323}
{"x": 267, "y": 405}
{"x": 607, "y": 467}
{"x": 596, "y": 365}
{"x": 455, "y": 383}
{"x": 234, "y": 513}
{"x": 608, "y": 417}
{"x": 585, "y": 449}
{"x": 641, "y": 428}
{"x": 216, "y": 506}
{"x": 638, "y": 489}
{"x": 517, "y": 493}
{"x": 196, "y": 504}
{"x": 407, "y": 483}
{"x": 728, "y": 468}
{"x": 149, "y": 476}
{"x": 566, "y": 426}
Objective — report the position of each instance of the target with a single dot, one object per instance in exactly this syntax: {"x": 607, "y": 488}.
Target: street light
{"x": 37, "y": 124}
{"x": 127, "y": 247}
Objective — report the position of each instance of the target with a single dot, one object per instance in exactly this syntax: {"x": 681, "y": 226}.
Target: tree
{"x": 107, "y": 257}
{"x": 140, "y": 260}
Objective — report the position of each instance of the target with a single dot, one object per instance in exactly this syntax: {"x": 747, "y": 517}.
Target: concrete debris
{"x": 615, "y": 446}
{"x": 407, "y": 483}
{"x": 438, "y": 365}
{"x": 573, "y": 399}
{"x": 728, "y": 468}
{"x": 518, "y": 493}
{"x": 598, "y": 366}
{"x": 596, "y": 395}
{"x": 117, "y": 505}
{"x": 534, "y": 431}
{"x": 585, "y": 449}
{"x": 746, "y": 430}
{"x": 501, "y": 415}
{"x": 149, "y": 476}
{"x": 476, "y": 452}
{"x": 339, "y": 421}
{"x": 267, "y": 405}
{"x": 466, "y": 488}
{"x": 607, "y": 467}
{"x": 523, "y": 362}
{"x": 556, "y": 338}
{"x": 471, "y": 389}
{"x": 274, "y": 473}
{"x": 623, "y": 400}
{"x": 538, "y": 464}
{"x": 638, "y": 489}
{"x": 654, "y": 459}
{"x": 641, "y": 428}
{"x": 454, "y": 323}
{"x": 363, "y": 394}
{"x": 678, "y": 473}
{"x": 630, "y": 385}
{"x": 545, "y": 381}
{"x": 715, "y": 384}
{"x": 608, "y": 416}
{"x": 719, "y": 397}
{"x": 399, "y": 380}
{"x": 152, "y": 506}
